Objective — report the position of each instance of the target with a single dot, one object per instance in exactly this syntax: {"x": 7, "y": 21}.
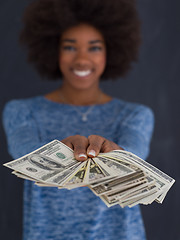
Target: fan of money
{"x": 117, "y": 177}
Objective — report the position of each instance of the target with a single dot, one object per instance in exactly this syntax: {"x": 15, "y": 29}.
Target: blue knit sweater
{"x": 53, "y": 214}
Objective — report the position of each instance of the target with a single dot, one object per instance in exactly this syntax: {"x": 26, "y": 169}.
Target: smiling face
{"x": 82, "y": 57}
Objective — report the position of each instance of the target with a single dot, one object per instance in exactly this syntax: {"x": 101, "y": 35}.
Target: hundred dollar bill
{"x": 96, "y": 172}
{"x": 40, "y": 184}
{"x": 104, "y": 189}
{"x": 77, "y": 178}
{"x": 145, "y": 165}
{"x": 59, "y": 178}
{"x": 161, "y": 197}
{"x": 120, "y": 167}
{"x": 108, "y": 202}
{"x": 20, "y": 175}
{"x": 124, "y": 180}
{"x": 161, "y": 188}
{"x": 163, "y": 181}
{"x": 128, "y": 192}
{"x": 123, "y": 170}
{"x": 95, "y": 184}
{"x": 45, "y": 162}
{"x": 117, "y": 182}
{"x": 115, "y": 191}
{"x": 91, "y": 171}
{"x": 134, "y": 200}
{"x": 136, "y": 191}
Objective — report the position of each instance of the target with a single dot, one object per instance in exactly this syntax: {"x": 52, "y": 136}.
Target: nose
{"x": 82, "y": 59}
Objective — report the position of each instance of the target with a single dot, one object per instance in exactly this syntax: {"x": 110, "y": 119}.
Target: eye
{"x": 68, "y": 48}
{"x": 95, "y": 49}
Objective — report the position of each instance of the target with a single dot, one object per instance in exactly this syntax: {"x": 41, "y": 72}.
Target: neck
{"x": 69, "y": 95}
{"x": 80, "y": 97}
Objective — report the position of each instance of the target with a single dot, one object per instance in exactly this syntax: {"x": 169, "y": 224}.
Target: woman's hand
{"x": 89, "y": 147}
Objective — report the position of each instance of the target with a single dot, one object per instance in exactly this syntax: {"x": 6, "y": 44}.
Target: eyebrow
{"x": 90, "y": 42}
{"x": 96, "y": 41}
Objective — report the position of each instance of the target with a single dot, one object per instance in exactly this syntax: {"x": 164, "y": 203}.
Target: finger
{"x": 80, "y": 144}
{"x": 108, "y": 146}
{"x": 67, "y": 143}
{"x": 95, "y": 144}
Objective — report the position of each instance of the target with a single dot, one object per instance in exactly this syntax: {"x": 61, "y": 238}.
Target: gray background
{"x": 154, "y": 81}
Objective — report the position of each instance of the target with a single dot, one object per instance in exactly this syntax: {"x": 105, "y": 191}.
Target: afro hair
{"x": 46, "y": 20}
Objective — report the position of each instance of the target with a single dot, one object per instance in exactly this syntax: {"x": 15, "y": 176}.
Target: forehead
{"x": 82, "y": 32}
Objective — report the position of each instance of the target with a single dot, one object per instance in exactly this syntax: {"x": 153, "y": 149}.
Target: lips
{"x": 83, "y": 73}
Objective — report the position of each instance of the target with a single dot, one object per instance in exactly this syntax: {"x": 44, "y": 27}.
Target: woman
{"x": 82, "y": 42}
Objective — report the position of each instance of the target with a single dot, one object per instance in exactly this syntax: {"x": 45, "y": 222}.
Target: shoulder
{"x": 17, "y": 105}
{"x": 134, "y": 112}
{"x": 14, "y": 105}
{"x": 18, "y": 109}
{"x": 131, "y": 107}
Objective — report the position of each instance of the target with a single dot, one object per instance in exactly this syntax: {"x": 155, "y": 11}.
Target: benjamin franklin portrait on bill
{"x": 44, "y": 162}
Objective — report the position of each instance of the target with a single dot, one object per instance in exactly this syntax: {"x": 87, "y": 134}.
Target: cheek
{"x": 63, "y": 62}
{"x": 102, "y": 63}
{"x": 64, "y": 58}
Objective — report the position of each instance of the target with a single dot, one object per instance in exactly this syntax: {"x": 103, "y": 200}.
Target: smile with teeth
{"x": 82, "y": 73}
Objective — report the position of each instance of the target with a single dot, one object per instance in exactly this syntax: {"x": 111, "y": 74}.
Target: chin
{"x": 84, "y": 84}
{"x": 82, "y": 87}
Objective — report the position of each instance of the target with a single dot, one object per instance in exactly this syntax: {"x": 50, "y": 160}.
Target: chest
{"x": 53, "y": 124}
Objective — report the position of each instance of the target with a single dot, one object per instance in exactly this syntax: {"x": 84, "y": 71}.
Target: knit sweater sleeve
{"x": 136, "y": 131}
{"x": 20, "y": 128}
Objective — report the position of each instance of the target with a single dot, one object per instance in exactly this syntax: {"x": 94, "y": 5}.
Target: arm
{"x": 136, "y": 131}
{"x": 20, "y": 128}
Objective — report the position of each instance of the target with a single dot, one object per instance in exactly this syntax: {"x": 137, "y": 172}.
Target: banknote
{"x": 142, "y": 197}
{"x": 45, "y": 162}
{"x": 163, "y": 181}
{"x": 59, "y": 178}
{"x": 117, "y": 177}
{"x": 132, "y": 158}
{"x": 109, "y": 203}
{"x": 120, "y": 168}
{"x": 104, "y": 189}
{"x": 128, "y": 192}
{"x": 20, "y": 175}
{"x": 78, "y": 176}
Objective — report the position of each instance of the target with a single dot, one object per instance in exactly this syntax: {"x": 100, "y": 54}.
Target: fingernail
{"x": 92, "y": 153}
{"x": 82, "y": 155}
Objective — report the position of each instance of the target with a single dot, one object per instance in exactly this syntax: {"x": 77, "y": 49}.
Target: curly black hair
{"x": 46, "y": 20}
